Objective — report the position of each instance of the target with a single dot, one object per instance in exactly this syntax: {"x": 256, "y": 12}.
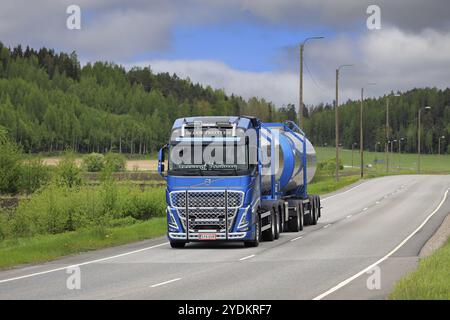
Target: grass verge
{"x": 329, "y": 184}
{"x": 430, "y": 281}
{"x": 47, "y": 247}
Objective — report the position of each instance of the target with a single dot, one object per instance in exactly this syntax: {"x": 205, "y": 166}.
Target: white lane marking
{"x": 247, "y": 257}
{"x": 326, "y": 226}
{"x": 165, "y": 282}
{"x": 341, "y": 193}
{"x": 347, "y": 281}
{"x": 378, "y": 202}
{"x": 365, "y": 209}
{"x": 83, "y": 263}
{"x": 296, "y": 238}
{"x": 349, "y": 216}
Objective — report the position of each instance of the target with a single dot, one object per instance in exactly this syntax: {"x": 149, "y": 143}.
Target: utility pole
{"x": 336, "y": 118}
{"x": 361, "y": 136}
{"x": 387, "y": 135}
{"x": 300, "y": 104}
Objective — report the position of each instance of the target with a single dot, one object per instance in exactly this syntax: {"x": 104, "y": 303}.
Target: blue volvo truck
{"x": 237, "y": 179}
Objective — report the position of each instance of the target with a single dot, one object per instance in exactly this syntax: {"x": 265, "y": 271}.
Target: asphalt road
{"x": 363, "y": 225}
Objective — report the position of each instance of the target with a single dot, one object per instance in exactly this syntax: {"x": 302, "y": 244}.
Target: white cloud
{"x": 393, "y": 59}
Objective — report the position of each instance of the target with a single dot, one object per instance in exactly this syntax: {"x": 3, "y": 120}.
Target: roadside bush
{"x": 55, "y": 209}
{"x": 10, "y": 166}
{"x": 143, "y": 205}
{"x": 328, "y": 167}
{"x": 68, "y": 174}
{"x": 116, "y": 161}
{"x": 94, "y": 162}
{"x": 34, "y": 175}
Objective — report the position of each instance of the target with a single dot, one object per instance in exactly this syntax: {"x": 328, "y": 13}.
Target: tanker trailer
{"x": 237, "y": 179}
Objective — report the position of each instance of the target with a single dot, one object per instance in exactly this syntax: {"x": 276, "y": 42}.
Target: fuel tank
{"x": 282, "y": 155}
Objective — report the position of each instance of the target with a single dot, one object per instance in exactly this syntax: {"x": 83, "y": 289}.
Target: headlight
{"x": 244, "y": 223}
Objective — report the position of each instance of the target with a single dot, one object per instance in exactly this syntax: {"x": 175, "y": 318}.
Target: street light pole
{"x": 353, "y": 148}
{"x": 418, "y": 137}
{"x": 361, "y": 135}
{"x": 336, "y": 118}
{"x": 387, "y": 131}
{"x": 399, "y": 150}
{"x": 392, "y": 151}
{"x": 439, "y": 144}
{"x": 300, "y": 107}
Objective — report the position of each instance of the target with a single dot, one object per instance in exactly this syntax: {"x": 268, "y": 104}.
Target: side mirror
{"x": 161, "y": 158}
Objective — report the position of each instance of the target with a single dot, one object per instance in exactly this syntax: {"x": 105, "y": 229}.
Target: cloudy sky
{"x": 250, "y": 47}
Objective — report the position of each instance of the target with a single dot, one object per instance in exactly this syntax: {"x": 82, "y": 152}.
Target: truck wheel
{"x": 295, "y": 224}
{"x": 177, "y": 244}
{"x": 278, "y": 228}
{"x": 308, "y": 216}
{"x": 269, "y": 234}
{"x": 319, "y": 210}
{"x": 255, "y": 243}
{"x": 314, "y": 210}
{"x": 283, "y": 224}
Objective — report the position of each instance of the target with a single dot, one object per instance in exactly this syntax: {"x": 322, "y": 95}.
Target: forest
{"x": 50, "y": 103}
{"x": 403, "y": 120}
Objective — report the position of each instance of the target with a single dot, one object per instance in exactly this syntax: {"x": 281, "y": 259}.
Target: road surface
{"x": 376, "y": 222}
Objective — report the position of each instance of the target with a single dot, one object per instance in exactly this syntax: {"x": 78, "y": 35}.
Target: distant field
{"x": 397, "y": 162}
{"x": 131, "y": 165}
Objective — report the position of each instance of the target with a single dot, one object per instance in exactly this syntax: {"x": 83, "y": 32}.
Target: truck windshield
{"x": 208, "y": 159}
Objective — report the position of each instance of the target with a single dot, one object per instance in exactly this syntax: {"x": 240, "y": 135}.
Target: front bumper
{"x": 195, "y": 236}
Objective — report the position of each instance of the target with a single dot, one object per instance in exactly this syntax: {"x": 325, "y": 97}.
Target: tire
{"x": 278, "y": 227}
{"x": 314, "y": 210}
{"x": 295, "y": 224}
{"x": 255, "y": 242}
{"x": 269, "y": 234}
{"x": 177, "y": 244}
{"x": 283, "y": 222}
{"x": 319, "y": 213}
{"x": 308, "y": 216}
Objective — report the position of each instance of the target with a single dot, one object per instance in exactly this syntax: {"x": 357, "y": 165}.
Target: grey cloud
{"x": 411, "y": 15}
{"x": 141, "y": 26}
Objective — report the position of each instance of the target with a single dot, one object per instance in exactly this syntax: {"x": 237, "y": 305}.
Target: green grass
{"x": 430, "y": 281}
{"x": 399, "y": 163}
{"x": 325, "y": 185}
{"x": 47, "y": 247}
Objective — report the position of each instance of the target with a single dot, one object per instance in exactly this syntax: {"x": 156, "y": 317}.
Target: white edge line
{"x": 247, "y": 257}
{"x": 296, "y": 238}
{"x": 341, "y": 193}
{"x": 347, "y": 281}
{"x": 83, "y": 263}
{"x": 165, "y": 282}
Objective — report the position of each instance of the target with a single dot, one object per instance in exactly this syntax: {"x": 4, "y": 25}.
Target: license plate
{"x": 207, "y": 236}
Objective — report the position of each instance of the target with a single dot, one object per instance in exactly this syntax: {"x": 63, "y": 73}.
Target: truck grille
{"x": 207, "y": 208}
